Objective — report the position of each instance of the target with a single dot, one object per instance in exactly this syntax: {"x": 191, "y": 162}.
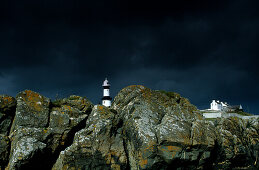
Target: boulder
{"x": 41, "y": 128}
{"x": 238, "y": 143}
{"x": 25, "y": 152}
{"x": 67, "y": 116}
{"x": 27, "y": 132}
{"x": 98, "y": 146}
{"x": 159, "y": 128}
{"x": 32, "y": 110}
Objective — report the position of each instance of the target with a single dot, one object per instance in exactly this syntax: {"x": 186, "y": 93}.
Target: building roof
{"x": 234, "y": 107}
{"x": 217, "y": 101}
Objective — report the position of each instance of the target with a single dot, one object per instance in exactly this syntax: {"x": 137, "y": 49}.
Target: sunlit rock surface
{"x": 143, "y": 129}
{"x": 98, "y": 146}
{"x": 42, "y": 129}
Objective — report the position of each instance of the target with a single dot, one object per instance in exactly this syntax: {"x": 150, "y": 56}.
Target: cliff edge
{"x": 143, "y": 129}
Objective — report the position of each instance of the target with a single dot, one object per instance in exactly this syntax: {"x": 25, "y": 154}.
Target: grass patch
{"x": 57, "y": 102}
{"x": 170, "y": 94}
{"x": 241, "y": 113}
{"x": 211, "y": 119}
{"x": 244, "y": 113}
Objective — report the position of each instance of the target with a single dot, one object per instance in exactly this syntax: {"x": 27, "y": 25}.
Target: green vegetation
{"x": 242, "y": 113}
{"x": 73, "y": 97}
{"x": 57, "y": 102}
{"x": 211, "y": 119}
{"x": 170, "y": 94}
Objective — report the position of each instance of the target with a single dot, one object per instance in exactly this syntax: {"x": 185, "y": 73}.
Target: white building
{"x": 217, "y": 105}
{"x": 221, "y": 109}
{"x": 106, "y": 100}
{"x": 223, "y": 106}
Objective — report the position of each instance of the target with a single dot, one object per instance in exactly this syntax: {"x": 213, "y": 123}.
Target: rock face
{"x": 7, "y": 112}
{"x": 41, "y": 129}
{"x": 143, "y": 129}
{"x": 98, "y": 146}
{"x": 238, "y": 143}
{"x": 161, "y": 130}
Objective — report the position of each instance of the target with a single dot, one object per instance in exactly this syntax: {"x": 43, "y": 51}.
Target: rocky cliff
{"x": 144, "y": 129}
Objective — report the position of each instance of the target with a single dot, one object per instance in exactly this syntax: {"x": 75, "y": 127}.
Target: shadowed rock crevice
{"x": 67, "y": 142}
{"x": 68, "y": 134}
{"x": 7, "y": 112}
{"x": 102, "y": 135}
{"x": 46, "y": 158}
{"x": 126, "y": 154}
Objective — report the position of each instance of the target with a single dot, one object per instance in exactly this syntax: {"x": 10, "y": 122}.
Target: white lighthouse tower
{"x": 106, "y": 100}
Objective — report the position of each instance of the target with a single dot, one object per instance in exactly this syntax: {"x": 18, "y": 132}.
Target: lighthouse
{"x": 106, "y": 100}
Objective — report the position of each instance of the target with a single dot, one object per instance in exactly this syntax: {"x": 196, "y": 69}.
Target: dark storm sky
{"x": 201, "y": 49}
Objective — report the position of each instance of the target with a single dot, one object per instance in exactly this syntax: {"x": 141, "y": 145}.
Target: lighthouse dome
{"x": 106, "y": 82}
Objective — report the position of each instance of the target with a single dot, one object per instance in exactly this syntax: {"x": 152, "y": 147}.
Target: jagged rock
{"x": 81, "y": 103}
{"x": 7, "y": 103}
{"x": 4, "y": 150}
{"x": 157, "y": 127}
{"x": 7, "y": 111}
{"x": 67, "y": 116}
{"x": 32, "y": 110}
{"x": 46, "y": 127}
{"x": 98, "y": 146}
{"x": 159, "y": 130}
{"x": 144, "y": 129}
{"x": 238, "y": 143}
{"x": 31, "y": 119}
{"x": 25, "y": 150}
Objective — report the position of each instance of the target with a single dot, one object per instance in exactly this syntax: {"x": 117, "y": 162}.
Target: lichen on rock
{"x": 7, "y": 112}
{"x": 143, "y": 129}
{"x": 98, "y": 146}
{"x": 41, "y": 129}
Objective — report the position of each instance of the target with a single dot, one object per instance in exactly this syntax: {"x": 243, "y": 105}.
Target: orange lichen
{"x": 30, "y": 95}
{"x": 143, "y": 163}
{"x": 6, "y": 100}
{"x": 171, "y": 149}
{"x": 144, "y": 154}
{"x": 151, "y": 148}
{"x": 65, "y": 167}
{"x": 146, "y": 93}
{"x": 132, "y": 86}
{"x": 33, "y": 99}
{"x": 67, "y": 107}
{"x": 101, "y": 109}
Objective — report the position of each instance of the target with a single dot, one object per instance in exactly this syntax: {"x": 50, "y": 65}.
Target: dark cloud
{"x": 201, "y": 49}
